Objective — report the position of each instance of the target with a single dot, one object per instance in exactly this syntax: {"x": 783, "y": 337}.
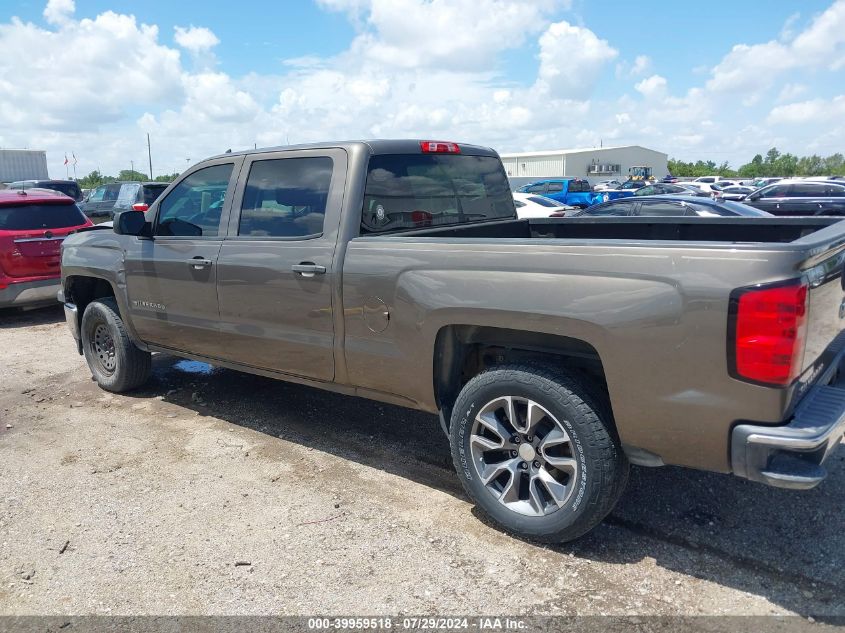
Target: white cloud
{"x": 751, "y": 69}
{"x": 453, "y": 34}
{"x": 791, "y": 91}
{"x": 59, "y": 11}
{"x": 654, "y": 86}
{"x": 571, "y": 60}
{"x": 811, "y": 111}
{"x": 196, "y": 39}
{"x": 397, "y": 79}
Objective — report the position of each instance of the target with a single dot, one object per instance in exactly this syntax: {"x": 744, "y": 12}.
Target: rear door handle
{"x": 308, "y": 269}
{"x": 199, "y": 262}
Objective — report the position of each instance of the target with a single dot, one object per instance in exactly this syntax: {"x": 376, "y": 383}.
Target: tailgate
{"x": 31, "y": 256}
{"x": 826, "y": 310}
{"x": 825, "y": 272}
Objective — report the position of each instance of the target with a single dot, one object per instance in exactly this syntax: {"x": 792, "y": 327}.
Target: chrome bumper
{"x": 71, "y": 318}
{"x": 793, "y": 455}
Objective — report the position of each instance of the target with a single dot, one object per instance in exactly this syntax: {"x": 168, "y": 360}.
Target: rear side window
{"x": 807, "y": 190}
{"x": 663, "y": 208}
{"x": 834, "y": 191}
{"x": 40, "y": 216}
{"x": 609, "y": 208}
{"x": 406, "y": 191}
{"x": 286, "y": 197}
{"x": 775, "y": 191}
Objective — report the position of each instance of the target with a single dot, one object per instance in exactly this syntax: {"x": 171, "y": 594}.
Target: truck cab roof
{"x": 372, "y": 146}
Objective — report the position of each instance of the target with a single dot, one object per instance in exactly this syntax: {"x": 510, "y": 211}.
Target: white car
{"x": 704, "y": 182}
{"x": 530, "y": 205}
{"x": 607, "y": 185}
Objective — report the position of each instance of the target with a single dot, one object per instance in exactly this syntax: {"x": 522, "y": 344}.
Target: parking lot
{"x": 216, "y": 492}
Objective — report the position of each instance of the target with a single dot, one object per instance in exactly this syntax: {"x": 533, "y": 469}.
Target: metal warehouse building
{"x": 595, "y": 164}
{"x": 22, "y": 164}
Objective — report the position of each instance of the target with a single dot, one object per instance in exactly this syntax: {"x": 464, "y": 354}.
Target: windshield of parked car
{"x": 406, "y": 191}
{"x": 40, "y": 216}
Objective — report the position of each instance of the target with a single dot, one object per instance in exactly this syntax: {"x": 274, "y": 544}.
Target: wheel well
{"x": 83, "y": 290}
{"x": 464, "y": 351}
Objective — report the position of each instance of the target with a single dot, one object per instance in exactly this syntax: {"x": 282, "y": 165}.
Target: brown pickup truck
{"x": 555, "y": 351}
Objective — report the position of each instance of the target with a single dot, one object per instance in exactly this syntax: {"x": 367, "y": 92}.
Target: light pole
{"x": 132, "y": 172}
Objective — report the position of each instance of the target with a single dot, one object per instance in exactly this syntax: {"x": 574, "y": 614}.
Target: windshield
{"x": 406, "y": 191}
{"x": 40, "y": 216}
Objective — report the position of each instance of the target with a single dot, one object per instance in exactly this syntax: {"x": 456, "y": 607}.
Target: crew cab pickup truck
{"x": 574, "y": 192}
{"x": 555, "y": 351}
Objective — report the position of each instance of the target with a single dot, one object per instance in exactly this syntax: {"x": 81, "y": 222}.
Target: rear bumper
{"x": 28, "y": 293}
{"x": 793, "y": 455}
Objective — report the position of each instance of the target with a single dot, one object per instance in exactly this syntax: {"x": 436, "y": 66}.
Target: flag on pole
{"x": 74, "y": 158}
{"x": 66, "y": 161}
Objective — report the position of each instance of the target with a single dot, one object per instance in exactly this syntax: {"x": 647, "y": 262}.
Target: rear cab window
{"x": 40, "y": 216}
{"x": 407, "y": 191}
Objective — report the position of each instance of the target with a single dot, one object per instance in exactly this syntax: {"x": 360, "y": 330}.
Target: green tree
{"x": 128, "y": 174}
{"x": 167, "y": 177}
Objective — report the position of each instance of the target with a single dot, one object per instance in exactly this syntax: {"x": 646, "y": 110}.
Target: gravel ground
{"x": 215, "y": 492}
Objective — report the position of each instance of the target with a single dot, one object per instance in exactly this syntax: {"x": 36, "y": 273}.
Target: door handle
{"x": 199, "y": 262}
{"x": 308, "y": 269}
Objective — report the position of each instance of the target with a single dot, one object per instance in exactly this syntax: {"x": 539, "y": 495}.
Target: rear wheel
{"x": 114, "y": 360}
{"x": 534, "y": 448}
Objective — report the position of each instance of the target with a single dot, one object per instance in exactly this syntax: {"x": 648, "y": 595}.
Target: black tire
{"x": 119, "y": 366}
{"x": 602, "y": 468}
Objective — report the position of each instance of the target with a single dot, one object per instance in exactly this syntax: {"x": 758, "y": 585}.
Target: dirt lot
{"x": 217, "y": 492}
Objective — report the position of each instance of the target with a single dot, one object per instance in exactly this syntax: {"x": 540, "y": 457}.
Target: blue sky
{"x": 720, "y": 82}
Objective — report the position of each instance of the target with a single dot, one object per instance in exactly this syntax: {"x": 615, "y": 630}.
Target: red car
{"x": 33, "y": 224}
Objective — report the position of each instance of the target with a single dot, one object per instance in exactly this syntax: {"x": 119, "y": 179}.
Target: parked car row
{"x": 794, "y": 197}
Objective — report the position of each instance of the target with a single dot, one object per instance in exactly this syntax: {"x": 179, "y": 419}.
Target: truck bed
{"x": 733, "y": 230}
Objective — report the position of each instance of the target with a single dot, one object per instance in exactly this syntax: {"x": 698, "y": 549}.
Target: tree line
{"x": 95, "y": 178}
{"x": 773, "y": 164}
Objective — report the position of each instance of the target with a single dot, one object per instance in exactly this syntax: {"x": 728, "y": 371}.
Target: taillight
{"x": 421, "y": 218}
{"x": 766, "y": 333}
{"x": 439, "y": 147}
{"x": 140, "y": 206}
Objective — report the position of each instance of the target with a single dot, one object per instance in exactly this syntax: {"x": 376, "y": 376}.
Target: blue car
{"x": 575, "y": 192}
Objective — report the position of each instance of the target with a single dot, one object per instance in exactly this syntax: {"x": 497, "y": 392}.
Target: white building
{"x": 594, "y": 164}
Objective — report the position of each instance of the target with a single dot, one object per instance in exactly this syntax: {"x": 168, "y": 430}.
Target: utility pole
{"x": 150, "y": 155}
{"x": 132, "y": 166}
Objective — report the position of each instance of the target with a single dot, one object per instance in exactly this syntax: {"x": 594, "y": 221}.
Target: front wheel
{"x": 115, "y": 362}
{"x": 534, "y": 448}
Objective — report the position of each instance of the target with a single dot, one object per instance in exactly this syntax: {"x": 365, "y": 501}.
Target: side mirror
{"x": 132, "y": 223}
{"x": 752, "y": 196}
